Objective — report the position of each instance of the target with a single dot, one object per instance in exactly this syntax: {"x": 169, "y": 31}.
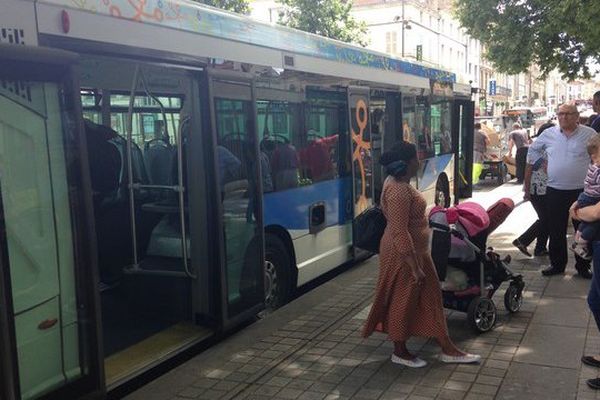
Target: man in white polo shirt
{"x": 568, "y": 161}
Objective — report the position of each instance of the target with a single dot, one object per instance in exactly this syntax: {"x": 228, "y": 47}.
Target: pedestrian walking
{"x": 519, "y": 138}
{"x": 536, "y": 192}
{"x": 565, "y": 146}
{"x": 591, "y": 214}
{"x": 480, "y": 143}
{"x": 408, "y": 299}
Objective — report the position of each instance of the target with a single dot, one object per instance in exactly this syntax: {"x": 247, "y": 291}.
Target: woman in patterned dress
{"x": 408, "y": 300}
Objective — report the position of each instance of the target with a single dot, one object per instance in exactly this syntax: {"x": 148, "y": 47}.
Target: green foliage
{"x": 554, "y": 34}
{"x": 329, "y": 18}
{"x": 238, "y": 6}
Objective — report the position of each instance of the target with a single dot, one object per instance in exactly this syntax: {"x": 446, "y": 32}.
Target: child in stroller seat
{"x": 469, "y": 272}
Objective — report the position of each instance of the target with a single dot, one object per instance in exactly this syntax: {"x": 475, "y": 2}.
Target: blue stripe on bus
{"x": 289, "y": 208}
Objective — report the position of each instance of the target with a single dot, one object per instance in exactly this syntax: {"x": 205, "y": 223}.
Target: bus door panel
{"x": 462, "y": 139}
{"x": 48, "y": 329}
{"x": 238, "y": 186}
{"x": 360, "y": 148}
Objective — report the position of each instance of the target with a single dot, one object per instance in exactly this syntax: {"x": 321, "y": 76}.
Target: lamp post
{"x": 403, "y": 23}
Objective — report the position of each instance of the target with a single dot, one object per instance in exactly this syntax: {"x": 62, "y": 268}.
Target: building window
{"x": 390, "y": 42}
{"x": 470, "y": 68}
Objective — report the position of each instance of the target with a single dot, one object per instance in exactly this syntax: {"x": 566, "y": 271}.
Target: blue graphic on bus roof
{"x": 197, "y": 18}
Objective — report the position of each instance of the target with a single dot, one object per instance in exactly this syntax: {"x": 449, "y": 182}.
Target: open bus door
{"x": 239, "y": 194}
{"x": 361, "y": 151}
{"x": 462, "y": 139}
{"x": 49, "y": 337}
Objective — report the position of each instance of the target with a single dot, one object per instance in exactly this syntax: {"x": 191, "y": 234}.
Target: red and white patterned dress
{"x": 402, "y": 308}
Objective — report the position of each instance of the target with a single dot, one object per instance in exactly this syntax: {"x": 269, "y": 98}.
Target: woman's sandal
{"x": 464, "y": 359}
{"x": 413, "y": 363}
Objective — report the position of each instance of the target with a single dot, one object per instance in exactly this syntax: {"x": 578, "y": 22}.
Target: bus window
{"x": 236, "y": 165}
{"x": 441, "y": 120}
{"x": 90, "y": 100}
{"x": 409, "y": 121}
{"x": 325, "y": 122}
{"x": 416, "y": 124}
{"x": 278, "y": 131}
{"x": 146, "y": 111}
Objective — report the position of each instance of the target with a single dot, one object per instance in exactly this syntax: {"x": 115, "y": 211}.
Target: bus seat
{"x": 158, "y": 156}
{"x": 104, "y": 160}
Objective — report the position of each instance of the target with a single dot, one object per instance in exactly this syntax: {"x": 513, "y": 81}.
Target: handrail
{"x": 160, "y": 104}
{"x": 130, "y": 165}
{"x": 184, "y": 249}
{"x": 179, "y": 188}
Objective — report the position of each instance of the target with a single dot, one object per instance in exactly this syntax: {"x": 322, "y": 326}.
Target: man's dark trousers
{"x": 558, "y": 203}
{"x": 520, "y": 163}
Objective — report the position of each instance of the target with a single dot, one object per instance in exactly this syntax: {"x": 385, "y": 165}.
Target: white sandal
{"x": 414, "y": 363}
{"x": 464, "y": 359}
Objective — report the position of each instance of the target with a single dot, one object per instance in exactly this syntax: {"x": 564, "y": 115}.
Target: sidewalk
{"x": 312, "y": 348}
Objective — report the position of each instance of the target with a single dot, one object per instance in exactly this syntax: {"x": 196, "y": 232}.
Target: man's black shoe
{"x": 540, "y": 253}
{"x": 584, "y": 272}
{"x": 522, "y": 248}
{"x": 591, "y": 361}
{"x": 594, "y": 383}
{"x": 551, "y": 270}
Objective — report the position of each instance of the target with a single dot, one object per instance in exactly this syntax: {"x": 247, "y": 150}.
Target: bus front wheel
{"x": 277, "y": 273}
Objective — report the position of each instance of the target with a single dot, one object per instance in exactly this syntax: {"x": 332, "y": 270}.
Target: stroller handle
{"x": 451, "y": 228}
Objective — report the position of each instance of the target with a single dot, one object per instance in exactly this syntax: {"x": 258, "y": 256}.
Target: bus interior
{"x": 147, "y": 292}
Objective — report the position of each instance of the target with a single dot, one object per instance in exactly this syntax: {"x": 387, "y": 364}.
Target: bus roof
{"x": 198, "y": 18}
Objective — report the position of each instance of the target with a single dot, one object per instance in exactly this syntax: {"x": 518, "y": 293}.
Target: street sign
{"x": 419, "y": 52}
{"x": 492, "y": 90}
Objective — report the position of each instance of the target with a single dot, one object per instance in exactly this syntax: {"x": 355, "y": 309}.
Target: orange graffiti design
{"x": 140, "y": 13}
{"x": 139, "y": 8}
{"x": 361, "y": 146}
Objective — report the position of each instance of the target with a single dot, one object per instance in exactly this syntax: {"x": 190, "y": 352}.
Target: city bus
{"x": 168, "y": 170}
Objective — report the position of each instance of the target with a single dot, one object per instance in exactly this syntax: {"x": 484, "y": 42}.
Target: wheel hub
{"x": 484, "y": 317}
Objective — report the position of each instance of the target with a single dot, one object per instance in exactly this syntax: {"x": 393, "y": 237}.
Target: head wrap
{"x": 396, "y": 168}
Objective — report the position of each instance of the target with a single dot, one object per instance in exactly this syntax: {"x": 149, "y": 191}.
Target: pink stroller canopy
{"x": 471, "y": 216}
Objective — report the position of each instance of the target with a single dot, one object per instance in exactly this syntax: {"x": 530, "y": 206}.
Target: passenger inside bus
{"x": 316, "y": 158}
{"x": 284, "y": 166}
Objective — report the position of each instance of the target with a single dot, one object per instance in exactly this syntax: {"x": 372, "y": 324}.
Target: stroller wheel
{"x": 482, "y": 314}
{"x": 513, "y": 298}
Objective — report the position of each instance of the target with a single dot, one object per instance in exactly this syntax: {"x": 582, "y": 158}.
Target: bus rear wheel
{"x": 277, "y": 273}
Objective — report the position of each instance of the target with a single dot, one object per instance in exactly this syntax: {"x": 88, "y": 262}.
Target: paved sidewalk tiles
{"x": 533, "y": 354}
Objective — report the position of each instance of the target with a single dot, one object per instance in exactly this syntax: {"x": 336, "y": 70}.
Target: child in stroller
{"x": 459, "y": 249}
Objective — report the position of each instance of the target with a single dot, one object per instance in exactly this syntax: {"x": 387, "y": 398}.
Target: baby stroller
{"x": 459, "y": 248}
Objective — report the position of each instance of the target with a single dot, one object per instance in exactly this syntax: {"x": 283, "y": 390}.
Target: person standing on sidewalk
{"x": 536, "y": 192}
{"x": 408, "y": 299}
{"x": 566, "y": 147}
{"x": 591, "y": 214}
{"x": 595, "y": 124}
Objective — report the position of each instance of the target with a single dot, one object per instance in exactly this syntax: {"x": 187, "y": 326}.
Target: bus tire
{"x": 442, "y": 192}
{"x": 278, "y": 275}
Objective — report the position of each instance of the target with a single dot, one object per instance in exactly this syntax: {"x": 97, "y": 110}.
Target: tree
{"x": 238, "y": 6}
{"x": 329, "y": 18}
{"x": 554, "y": 34}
